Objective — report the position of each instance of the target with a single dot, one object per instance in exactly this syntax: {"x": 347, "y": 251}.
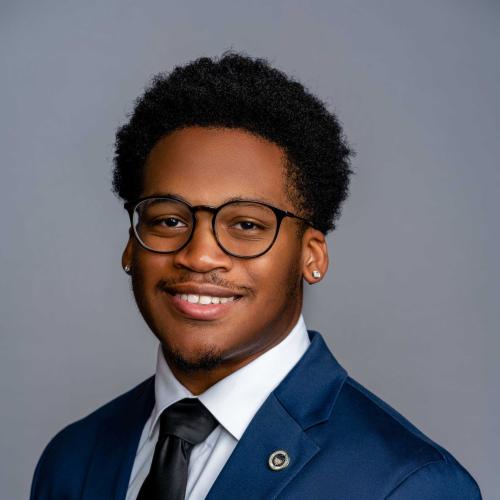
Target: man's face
{"x": 208, "y": 166}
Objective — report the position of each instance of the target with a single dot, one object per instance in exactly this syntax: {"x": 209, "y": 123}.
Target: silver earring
{"x": 126, "y": 268}
{"x": 316, "y": 274}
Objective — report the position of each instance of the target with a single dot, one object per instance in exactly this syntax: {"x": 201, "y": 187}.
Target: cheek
{"x": 276, "y": 276}
{"x": 148, "y": 264}
{"x": 148, "y": 270}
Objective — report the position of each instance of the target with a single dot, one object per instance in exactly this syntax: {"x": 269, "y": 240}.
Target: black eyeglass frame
{"x": 280, "y": 214}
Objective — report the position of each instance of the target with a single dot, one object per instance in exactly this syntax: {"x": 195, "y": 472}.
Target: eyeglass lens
{"x": 242, "y": 228}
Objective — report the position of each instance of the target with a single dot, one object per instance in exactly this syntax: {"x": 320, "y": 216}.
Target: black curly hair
{"x": 237, "y": 91}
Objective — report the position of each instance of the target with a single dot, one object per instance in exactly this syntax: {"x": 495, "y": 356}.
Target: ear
{"x": 314, "y": 255}
{"x": 127, "y": 252}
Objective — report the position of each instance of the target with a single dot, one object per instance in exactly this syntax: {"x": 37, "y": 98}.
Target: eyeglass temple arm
{"x": 285, "y": 213}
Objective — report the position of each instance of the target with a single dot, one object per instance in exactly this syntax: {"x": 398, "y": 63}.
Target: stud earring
{"x": 126, "y": 268}
{"x": 316, "y": 274}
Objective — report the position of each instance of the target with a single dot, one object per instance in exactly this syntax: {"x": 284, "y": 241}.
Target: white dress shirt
{"x": 233, "y": 401}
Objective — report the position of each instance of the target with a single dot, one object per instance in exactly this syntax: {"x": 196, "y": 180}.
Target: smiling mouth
{"x": 205, "y": 299}
{"x": 202, "y": 307}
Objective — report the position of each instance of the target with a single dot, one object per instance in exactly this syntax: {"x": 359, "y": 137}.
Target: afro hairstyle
{"x": 237, "y": 91}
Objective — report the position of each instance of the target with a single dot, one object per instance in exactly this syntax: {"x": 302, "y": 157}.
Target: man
{"x": 232, "y": 175}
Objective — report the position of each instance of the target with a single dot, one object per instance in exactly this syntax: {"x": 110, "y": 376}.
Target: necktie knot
{"x": 189, "y": 420}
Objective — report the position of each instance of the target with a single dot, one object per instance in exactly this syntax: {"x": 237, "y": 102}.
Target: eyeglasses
{"x": 242, "y": 228}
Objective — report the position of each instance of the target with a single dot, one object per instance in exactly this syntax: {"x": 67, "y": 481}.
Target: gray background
{"x": 410, "y": 305}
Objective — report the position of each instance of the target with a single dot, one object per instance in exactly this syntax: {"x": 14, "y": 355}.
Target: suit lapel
{"x": 303, "y": 399}
{"x": 113, "y": 456}
{"x": 247, "y": 474}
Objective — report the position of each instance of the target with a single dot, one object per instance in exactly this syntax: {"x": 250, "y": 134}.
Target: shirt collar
{"x": 235, "y": 399}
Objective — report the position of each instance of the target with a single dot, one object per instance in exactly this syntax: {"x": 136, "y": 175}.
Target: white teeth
{"x": 204, "y": 299}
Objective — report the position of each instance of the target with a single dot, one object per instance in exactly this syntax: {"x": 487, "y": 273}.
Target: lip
{"x": 205, "y": 312}
{"x": 202, "y": 312}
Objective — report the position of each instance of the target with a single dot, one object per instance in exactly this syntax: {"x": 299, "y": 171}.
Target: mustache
{"x": 209, "y": 279}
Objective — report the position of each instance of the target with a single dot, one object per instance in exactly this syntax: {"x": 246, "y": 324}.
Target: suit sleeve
{"x": 62, "y": 467}
{"x": 442, "y": 480}
{"x": 40, "y": 488}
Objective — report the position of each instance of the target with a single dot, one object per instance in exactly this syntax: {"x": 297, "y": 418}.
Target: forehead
{"x": 211, "y": 165}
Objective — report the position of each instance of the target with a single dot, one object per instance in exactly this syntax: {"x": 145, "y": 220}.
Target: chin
{"x": 207, "y": 360}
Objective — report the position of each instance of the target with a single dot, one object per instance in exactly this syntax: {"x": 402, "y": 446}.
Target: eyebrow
{"x": 228, "y": 200}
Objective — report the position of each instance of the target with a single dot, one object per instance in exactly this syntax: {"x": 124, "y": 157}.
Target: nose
{"x": 202, "y": 254}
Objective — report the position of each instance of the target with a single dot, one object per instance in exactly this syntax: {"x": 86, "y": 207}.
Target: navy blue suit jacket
{"x": 343, "y": 443}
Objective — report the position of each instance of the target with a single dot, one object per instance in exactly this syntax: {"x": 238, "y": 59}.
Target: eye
{"x": 167, "y": 222}
{"x": 248, "y": 225}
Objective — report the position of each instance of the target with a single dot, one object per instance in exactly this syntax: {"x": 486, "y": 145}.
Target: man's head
{"x": 212, "y": 131}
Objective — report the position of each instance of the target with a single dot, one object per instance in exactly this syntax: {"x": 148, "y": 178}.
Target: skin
{"x": 208, "y": 166}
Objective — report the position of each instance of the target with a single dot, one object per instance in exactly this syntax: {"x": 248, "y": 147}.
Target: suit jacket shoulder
{"x": 64, "y": 465}
{"x": 394, "y": 458}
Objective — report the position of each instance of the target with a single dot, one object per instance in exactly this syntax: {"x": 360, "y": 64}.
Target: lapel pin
{"x": 278, "y": 460}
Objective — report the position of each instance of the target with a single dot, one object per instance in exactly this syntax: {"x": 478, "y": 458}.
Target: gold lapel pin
{"x": 278, "y": 460}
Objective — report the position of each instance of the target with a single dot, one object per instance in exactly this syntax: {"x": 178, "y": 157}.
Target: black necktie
{"x": 182, "y": 426}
